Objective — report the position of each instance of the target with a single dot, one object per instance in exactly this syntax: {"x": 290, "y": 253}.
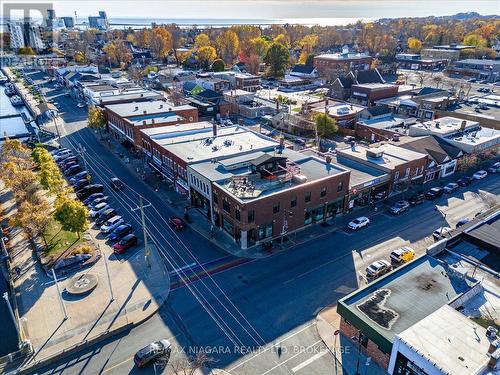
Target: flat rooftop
{"x": 475, "y": 137}
{"x": 128, "y": 96}
{"x": 395, "y": 302}
{"x": 231, "y": 141}
{"x": 173, "y": 131}
{"x": 389, "y": 121}
{"x": 159, "y": 118}
{"x": 342, "y": 56}
{"x": 309, "y": 168}
{"x": 391, "y": 158}
{"x": 442, "y": 126}
{"x": 375, "y": 86}
{"x": 361, "y": 175}
{"x": 145, "y": 108}
{"x": 450, "y": 341}
{"x": 337, "y": 109}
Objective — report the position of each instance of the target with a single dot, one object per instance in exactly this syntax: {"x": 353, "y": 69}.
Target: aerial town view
{"x": 250, "y": 187}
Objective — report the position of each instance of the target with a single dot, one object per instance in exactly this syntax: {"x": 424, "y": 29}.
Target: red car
{"x": 177, "y": 223}
{"x": 125, "y": 243}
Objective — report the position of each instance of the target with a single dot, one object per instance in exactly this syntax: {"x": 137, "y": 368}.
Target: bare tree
{"x": 188, "y": 366}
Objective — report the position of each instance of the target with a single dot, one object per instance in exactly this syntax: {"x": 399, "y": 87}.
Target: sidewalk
{"x": 138, "y": 294}
{"x": 346, "y": 353}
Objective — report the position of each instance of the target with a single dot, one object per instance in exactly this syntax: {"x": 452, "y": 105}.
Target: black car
{"x": 80, "y": 184}
{"x": 67, "y": 161}
{"x": 74, "y": 169}
{"x": 434, "y": 193}
{"x": 65, "y": 167}
{"x": 105, "y": 216}
{"x": 78, "y": 176}
{"x": 90, "y": 189}
{"x": 417, "y": 199}
{"x": 151, "y": 352}
{"x": 116, "y": 183}
{"x": 92, "y": 197}
{"x": 464, "y": 181}
{"x": 120, "y": 232}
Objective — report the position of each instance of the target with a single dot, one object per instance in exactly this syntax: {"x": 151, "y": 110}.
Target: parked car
{"x": 71, "y": 171}
{"x": 417, "y": 199}
{"x": 402, "y": 254}
{"x": 378, "y": 268}
{"x": 78, "y": 176}
{"x": 177, "y": 223}
{"x": 98, "y": 209}
{"x": 120, "y": 232}
{"x": 97, "y": 201}
{"x": 67, "y": 166}
{"x": 479, "y": 175}
{"x": 58, "y": 151}
{"x": 125, "y": 243}
{"x": 105, "y": 216}
{"x": 91, "y": 198}
{"x": 62, "y": 163}
{"x": 151, "y": 352}
{"x": 63, "y": 155}
{"x": 495, "y": 168}
{"x": 434, "y": 193}
{"x": 441, "y": 232}
{"x": 451, "y": 187}
{"x": 111, "y": 224}
{"x": 116, "y": 183}
{"x": 358, "y": 223}
{"x": 462, "y": 221}
{"x": 90, "y": 189}
{"x": 464, "y": 181}
{"x": 399, "y": 207}
{"x": 80, "y": 184}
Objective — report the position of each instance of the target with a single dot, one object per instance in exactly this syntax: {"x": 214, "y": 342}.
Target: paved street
{"x": 269, "y": 304}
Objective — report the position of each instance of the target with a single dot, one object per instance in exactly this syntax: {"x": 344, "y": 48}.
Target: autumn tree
{"x": 277, "y": 59}
{"x": 228, "y": 46}
{"x": 202, "y": 40}
{"x": 414, "y": 45}
{"x": 325, "y": 127}
{"x": 96, "y": 119}
{"x": 160, "y": 42}
{"x": 206, "y": 55}
{"x": 117, "y": 53}
{"x": 307, "y": 45}
{"x": 282, "y": 39}
{"x": 72, "y": 215}
{"x": 33, "y": 219}
{"x": 259, "y": 47}
{"x": 475, "y": 40}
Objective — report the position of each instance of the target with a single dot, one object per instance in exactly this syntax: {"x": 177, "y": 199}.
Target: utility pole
{"x": 109, "y": 279}
{"x": 63, "y": 307}
{"x": 81, "y": 151}
{"x": 147, "y": 253}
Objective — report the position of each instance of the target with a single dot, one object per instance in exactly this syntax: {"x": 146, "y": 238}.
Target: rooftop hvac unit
{"x": 299, "y": 178}
{"x": 375, "y": 153}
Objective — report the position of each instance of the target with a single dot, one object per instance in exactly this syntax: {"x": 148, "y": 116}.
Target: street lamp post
{"x": 14, "y": 320}
{"x": 63, "y": 307}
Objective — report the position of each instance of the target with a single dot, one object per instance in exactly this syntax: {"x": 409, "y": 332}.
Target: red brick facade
{"x": 371, "y": 349}
{"x": 319, "y": 198}
{"x": 133, "y": 131}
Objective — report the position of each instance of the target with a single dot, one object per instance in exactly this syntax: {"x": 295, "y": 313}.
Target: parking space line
{"x": 292, "y": 357}
{"x": 309, "y": 361}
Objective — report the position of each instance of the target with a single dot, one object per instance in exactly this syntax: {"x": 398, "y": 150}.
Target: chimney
{"x": 214, "y": 129}
{"x": 152, "y": 120}
{"x": 161, "y": 106}
{"x": 144, "y": 122}
{"x": 328, "y": 159}
{"x": 144, "y": 112}
{"x": 462, "y": 125}
{"x": 136, "y": 108}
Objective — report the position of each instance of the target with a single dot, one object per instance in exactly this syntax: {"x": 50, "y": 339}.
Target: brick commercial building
{"x": 375, "y": 315}
{"x": 271, "y": 195}
{"x": 172, "y": 149}
{"x": 406, "y": 167}
{"x": 126, "y": 120}
{"x": 366, "y": 94}
{"x": 334, "y": 65}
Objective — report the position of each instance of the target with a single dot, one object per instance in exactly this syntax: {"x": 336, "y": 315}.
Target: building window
{"x": 251, "y": 216}
{"x": 237, "y": 214}
{"x": 323, "y": 192}
{"x": 340, "y": 186}
{"x": 215, "y": 199}
{"x": 407, "y": 172}
{"x": 225, "y": 205}
{"x": 396, "y": 175}
{"x": 307, "y": 197}
{"x": 265, "y": 231}
{"x": 293, "y": 202}
{"x": 308, "y": 217}
{"x": 276, "y": 208}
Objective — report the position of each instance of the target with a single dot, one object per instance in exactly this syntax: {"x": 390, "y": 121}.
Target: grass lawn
{"x": 59, "y": 240}
{"x": 296, "y": 110}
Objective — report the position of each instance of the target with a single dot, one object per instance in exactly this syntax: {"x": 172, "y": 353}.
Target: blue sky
{"x": 272, "y": 9}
